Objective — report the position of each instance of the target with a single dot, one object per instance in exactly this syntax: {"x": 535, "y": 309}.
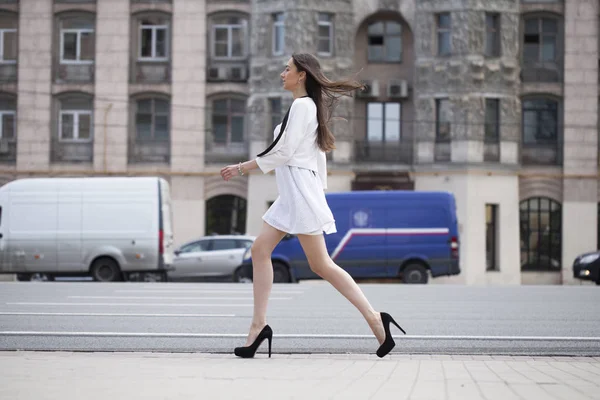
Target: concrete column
{"x": 35, "y": 80}
{"x": 111, "y": 100}
{"x": 580, "y": 132}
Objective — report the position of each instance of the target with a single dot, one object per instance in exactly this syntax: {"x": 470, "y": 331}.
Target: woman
{"x": 298, "y": 157}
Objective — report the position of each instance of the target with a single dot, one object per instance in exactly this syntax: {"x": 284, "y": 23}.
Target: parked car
{"x": 380, "y": 234}
{"x": 587, "y": 267}
{"x": 211, "y": 257}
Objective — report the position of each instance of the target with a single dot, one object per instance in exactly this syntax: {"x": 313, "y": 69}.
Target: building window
{"x": 492, "y": 120}
{"x": 492, "y": 37}
{"x": 325, "y": 32}
{"x": 278, "y": 34}
{"x": 541, "y": 227}
{"x": 540, "y": 121}
{"x": 8, "y": 46}
{"x": 385, "y": 41}
{"x": 8, "y": 117}
{"x": 442, "y": 120}
{"x": 383, "y": 122}
{"x": 152, "y": 119}
{"x": 275, "y": 111}
{"x": 444, "y": 34}
{"x": 76, "y": 41}
{"x": 154, "y": 41}
{"x": 75, "y": 120}
{"x": 229, "y": 38}
{"x": 228, "y": 121}
{"x": 491, "y": 237}
{"x": 540, "y": 40}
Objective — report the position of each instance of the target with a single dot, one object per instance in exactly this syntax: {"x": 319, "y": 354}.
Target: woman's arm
{"x": 238, "y": 169}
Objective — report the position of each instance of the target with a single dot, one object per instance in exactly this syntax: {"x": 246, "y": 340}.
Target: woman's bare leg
{"x": 262, "y": 281}
{"x": 321, "y": 264}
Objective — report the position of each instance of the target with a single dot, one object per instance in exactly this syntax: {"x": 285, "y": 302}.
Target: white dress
{"x": 301, "y": 176}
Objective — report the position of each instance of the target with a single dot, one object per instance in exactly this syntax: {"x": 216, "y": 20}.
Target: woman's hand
{"x": 229, "y": 172}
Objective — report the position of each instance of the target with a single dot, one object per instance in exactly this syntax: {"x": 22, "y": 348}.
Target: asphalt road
{"x": 306, "y": 318}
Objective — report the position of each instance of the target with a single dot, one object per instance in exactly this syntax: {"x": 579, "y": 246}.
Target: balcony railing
{"x": 72, "y": 152}
{"x": 8, "y": 72}
{"x": 8, "y": 151}
{"x": 542, "y": 154}
{"x": 388, "y": 152}
{"x": 542, "y": 72}
{"x": 230, "y": 153}
{"x": 149, "y": 151}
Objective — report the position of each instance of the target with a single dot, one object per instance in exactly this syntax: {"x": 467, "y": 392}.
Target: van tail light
{"x": 454, "y": 247}
{"x": 161, "y": 248}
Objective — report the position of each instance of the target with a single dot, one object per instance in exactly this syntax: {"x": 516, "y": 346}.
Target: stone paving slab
{"x": 79, "y": 375}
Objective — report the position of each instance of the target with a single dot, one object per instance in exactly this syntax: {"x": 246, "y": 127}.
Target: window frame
{"x": 153, "y": 114}
{"x": 230, "y": 114}
{"x": 75, "y": 113}
{"x": 442, "y": 31}
{"x": 78, "y": 32}
{"x": 2, "y": 32}
{"x": 558, "y": 38}
{"x": 385, "y": 36}
{"x": 154, "y": 28}
{"x": 384, "y": 122}
{"x": 438, "y": 104}
{"x": 278, "y": 26}
{"x": 14, "y": 115}
{"x": 496, "y": 30}
{"x": 243, "y": 28}
{"x": 525, "y": 207}
{"x": 330, "y": 39}
{"x": 491, "y": 260}
{"x": 496, "y": 123}
{"x": 539, "y": 122}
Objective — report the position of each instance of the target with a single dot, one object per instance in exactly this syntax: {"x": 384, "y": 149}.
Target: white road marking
{"x": 130, "y": 304}
{"x": 211, "y": 291}
{"x": 171, "y": 298}
{"x": 82, "y": 314}
{"x": 297, "y": 335}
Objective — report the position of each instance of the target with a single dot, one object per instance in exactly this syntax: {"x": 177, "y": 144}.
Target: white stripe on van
{"x": 383, "y": 232}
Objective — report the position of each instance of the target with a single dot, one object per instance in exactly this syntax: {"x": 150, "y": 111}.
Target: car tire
{"x": 281, "y": 273}
{"x": 37, "y": 277}
{"x": 415, "y": 273}
{"x": 240, "y": 277}
{"x": 106, "y": 270}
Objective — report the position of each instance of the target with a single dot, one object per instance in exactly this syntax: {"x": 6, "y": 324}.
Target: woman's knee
{"x": 319, "y": 267}
{"x": 260, "y": 251}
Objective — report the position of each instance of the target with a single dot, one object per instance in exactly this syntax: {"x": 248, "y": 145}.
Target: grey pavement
{"x": 74, "y": 375}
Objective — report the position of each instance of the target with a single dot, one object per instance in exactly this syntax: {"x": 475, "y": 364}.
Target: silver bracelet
{"x": 240, "y": 169}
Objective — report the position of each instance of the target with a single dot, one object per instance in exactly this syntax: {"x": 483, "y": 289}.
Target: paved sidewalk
{"x": 115, "y": 376}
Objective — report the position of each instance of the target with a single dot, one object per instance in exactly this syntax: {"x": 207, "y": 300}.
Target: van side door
{"x": 70, "y": 255}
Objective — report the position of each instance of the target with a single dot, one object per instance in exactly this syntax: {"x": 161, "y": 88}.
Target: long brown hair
{"x": 325, "y": 93}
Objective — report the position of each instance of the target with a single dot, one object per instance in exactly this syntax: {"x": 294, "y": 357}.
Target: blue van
{"x": 380, "y": 234}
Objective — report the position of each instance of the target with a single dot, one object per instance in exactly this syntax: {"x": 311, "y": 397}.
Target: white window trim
{"x": 330, "y": 38}
{"x": 76, "y": 114}
{"x": 278, "y": 25}
{"x": 229, "y": 27}
{"x": 2, "y": 114}
{"x": 77, "y": 43}
{"x": 153, "y": 57}
{"x": 384, "y": 122}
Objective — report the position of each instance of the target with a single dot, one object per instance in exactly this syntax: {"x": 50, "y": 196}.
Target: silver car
{"x": 211, "y": 257}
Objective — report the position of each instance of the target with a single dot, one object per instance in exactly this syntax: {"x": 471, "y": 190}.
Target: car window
{"x": 194, "y": 247}
{"x": 224, "y": 244}
{"x": 244, "y": 244}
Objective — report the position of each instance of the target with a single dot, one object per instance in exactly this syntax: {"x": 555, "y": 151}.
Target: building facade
{"x": 494, "y": 101}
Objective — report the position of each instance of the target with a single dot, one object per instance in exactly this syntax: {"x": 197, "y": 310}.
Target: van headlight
{"x": 589, "y": 258}
{"x": 247, "y": 254}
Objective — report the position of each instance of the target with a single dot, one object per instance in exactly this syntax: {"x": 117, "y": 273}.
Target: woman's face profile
{"x": 290, "y": 76}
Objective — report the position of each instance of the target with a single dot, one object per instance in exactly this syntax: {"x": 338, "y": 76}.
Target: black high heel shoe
{"x": 388, "y": 344}
{"x": 249, "y": 351}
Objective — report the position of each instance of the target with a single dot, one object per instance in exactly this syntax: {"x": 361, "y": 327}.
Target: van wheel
{"x": 106, "y": 270}
{"x": 280, "y": 273}
{"x": 415, "y": 273}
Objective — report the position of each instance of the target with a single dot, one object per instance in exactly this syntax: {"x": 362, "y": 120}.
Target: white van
{"x": 109, "y": 228}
